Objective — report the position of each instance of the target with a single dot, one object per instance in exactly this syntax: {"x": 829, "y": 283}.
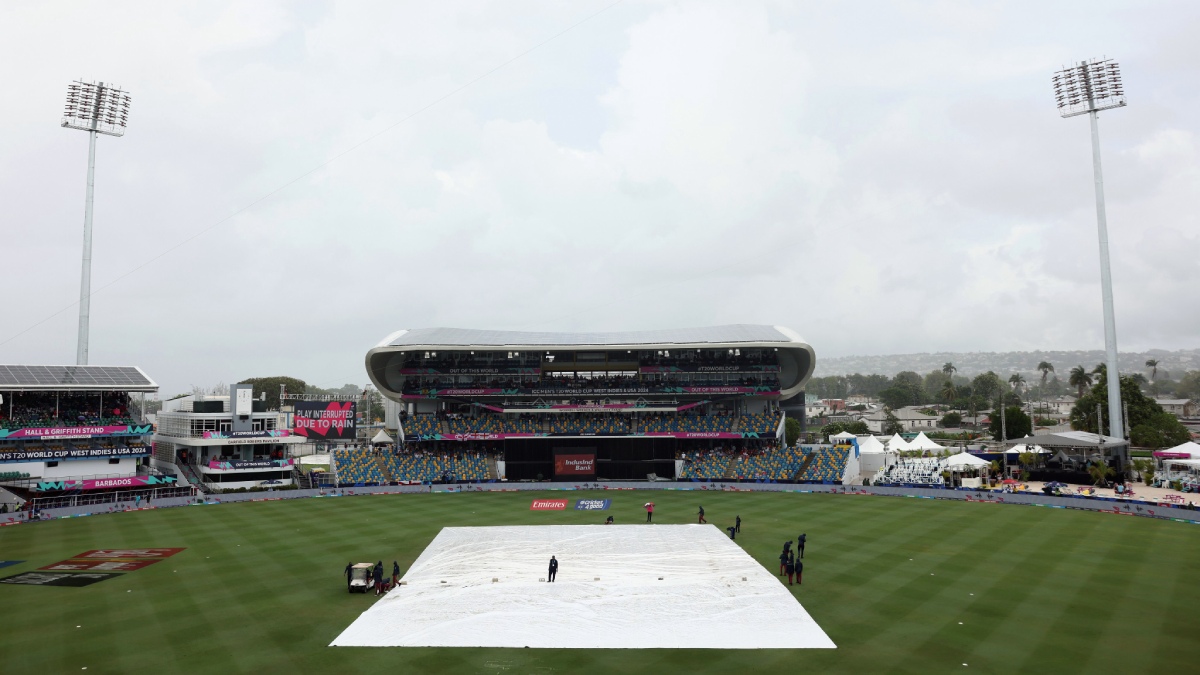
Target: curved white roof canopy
{"x": 796, "y": 358}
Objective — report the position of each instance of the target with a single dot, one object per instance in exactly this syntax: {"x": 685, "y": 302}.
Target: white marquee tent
{"x": 844, "y": 436}
{"x": 869, "y": 445}
{"x": 896, "y": 444}
{"x": 964, "y": 460}
{"x": 381, "y": 437}
{"x": 923, "y": 442}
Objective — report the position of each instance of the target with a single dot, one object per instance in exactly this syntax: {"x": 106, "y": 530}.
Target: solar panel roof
{"x": 452, "y": 337}
{"x": 66, "y": 378}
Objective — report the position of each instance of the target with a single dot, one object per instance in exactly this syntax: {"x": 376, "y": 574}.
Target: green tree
{"x": 1155, "y": 427}
{"x": 949, "y": 392}
{"x": 270, "y": 386}
{"x": 949, "y": 369}
{"x": 1189, "y": 385}
{"x": 891, "y": 425}
{"x": 791, "y": 430}
{"x": 1152, "y": 364}
{"x": 987, "y": 386}
{"x": 951, "y": 420}
{"x": 1017, "y": 422}
{"x": 1045, "y": 368}
{"x": 1017, "y": 381}
{"x": 858, "y": 428}
{"x": 1080, "y": 379}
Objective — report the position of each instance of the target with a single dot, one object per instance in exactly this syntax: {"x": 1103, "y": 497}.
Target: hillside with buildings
{"x": 1171, "y": 364}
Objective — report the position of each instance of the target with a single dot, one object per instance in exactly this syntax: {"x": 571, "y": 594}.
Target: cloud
{"x": 883, "y": 181}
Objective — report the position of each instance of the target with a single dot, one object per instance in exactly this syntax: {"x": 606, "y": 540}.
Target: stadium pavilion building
{"x": 591, "y": 405}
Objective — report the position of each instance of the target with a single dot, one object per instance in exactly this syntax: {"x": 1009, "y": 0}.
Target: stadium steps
{"x": 730, "y": 469}
{"x": 383, "y": 468}
{"x": 808, "y": 459}
{"x": 493, "y": 471}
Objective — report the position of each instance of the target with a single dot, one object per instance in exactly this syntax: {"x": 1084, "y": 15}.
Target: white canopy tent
{"x": 896, "y": 444}
{"x": 923, "y": 442}
{"x": 381, "y": 437}
{"x": 964, "y": 460}
{"x": 869, "y": 445}
{"x": 1191, "y": 448}
{"x": 844, "y": 436}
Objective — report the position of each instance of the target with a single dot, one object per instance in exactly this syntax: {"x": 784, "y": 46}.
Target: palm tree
{"x": 1080, "y": 379}
{"x": 1046, "y": 367}
{"x": 1100, "y": 369}
{"x": 1100, "y": 472}
{"x": 949, "y": 369}
{"x": 1152, "y": 364}
{"x": 1017, "y": 381}
{"x": 949, "y": 391}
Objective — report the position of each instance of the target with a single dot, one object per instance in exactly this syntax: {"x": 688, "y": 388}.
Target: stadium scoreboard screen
{"x": 575, "y": 463}
{"x": 330, "y": 421}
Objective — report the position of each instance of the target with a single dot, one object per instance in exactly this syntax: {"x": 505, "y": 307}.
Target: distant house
{"x": 910, "y": 420}
{"x": 1179, "y": 407}
{"x": 1058, "y": 406}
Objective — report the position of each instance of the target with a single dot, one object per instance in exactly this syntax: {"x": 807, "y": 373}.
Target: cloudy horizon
{"x": 301, "y": 179}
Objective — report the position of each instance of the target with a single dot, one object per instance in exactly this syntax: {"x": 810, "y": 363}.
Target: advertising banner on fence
{"x": 69, "y": 454}
{"x": 574, "y": 462}
{"x": 593, "y": 504}
{"x": 233, "y": 464}
{"x": 760, "y": 390}
{"x": 330, "y": 421}
{"x": 105, "y": 483}
{"x": 66, "y": 433}
{"x": 548, "y": 505}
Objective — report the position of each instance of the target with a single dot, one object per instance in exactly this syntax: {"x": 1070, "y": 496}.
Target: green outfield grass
{"x": 260, "y": 587}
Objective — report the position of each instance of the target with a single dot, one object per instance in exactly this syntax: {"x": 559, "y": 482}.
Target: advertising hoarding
{"x": 575, "y": 463}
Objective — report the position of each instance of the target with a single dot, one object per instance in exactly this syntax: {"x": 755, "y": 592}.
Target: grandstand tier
{"x": 621, "y": 405}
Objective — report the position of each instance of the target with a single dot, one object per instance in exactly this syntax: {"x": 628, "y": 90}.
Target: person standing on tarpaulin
{"x": 553, "y": 570}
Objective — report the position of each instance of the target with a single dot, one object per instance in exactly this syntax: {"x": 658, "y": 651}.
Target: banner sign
{"x": 67, "y": 433}
{"x": 548, "y": 505}
{"x": 481, "y": 370}
{"x": 327, "y": 421}
{"x": 233, "y": 464}
{"x": 104, "y": 483}
{"x": 574, "y": 462}
{"x": 99, "y": 565}
{"x": 592, "y": 504}
{"x": 70, "y": 454}
{"x": 128, "y": 553}
{"x": 760, "y": 390}
{"x": 71, "y": 579}
{"x": 247, "y": 437}
{"x": 641, "y": 405}
{"x": 726, "y": 435}
{"x": 1160, "y": 454}
{"x": 709, "y": 369}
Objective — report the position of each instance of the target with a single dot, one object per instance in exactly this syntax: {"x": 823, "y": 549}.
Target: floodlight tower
{"x": 96, "y": 109}
{"x": 1090, "y": 87}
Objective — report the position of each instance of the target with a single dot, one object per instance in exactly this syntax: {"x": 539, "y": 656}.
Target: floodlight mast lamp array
{"x": 96, "y": 109}
{"x": 1090, "y": 87}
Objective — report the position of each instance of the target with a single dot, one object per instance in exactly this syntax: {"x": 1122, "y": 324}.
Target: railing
{"x": 124, "y": 496}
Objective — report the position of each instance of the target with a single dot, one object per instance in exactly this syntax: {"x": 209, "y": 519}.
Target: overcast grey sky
{"x": 883, "y": 177}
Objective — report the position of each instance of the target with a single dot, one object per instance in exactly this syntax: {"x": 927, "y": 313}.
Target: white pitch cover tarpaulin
{"x": 658, "y": 587}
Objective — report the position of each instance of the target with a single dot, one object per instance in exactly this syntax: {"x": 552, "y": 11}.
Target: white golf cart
{"x": 360, "y": 577}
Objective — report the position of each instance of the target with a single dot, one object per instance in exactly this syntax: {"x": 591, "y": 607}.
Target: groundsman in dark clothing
{"x": 553, "y": 569}
{"x": 791, "y": 570}
{"x": 737, "y": 525}
{"x": 783, "y": 558}
{"x": 348, "y": 572}
{"x": 800, "y": 541}
{"x": 799, "y": 571}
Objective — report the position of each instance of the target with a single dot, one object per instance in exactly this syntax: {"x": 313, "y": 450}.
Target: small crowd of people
{"x": 377, "y": 580}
